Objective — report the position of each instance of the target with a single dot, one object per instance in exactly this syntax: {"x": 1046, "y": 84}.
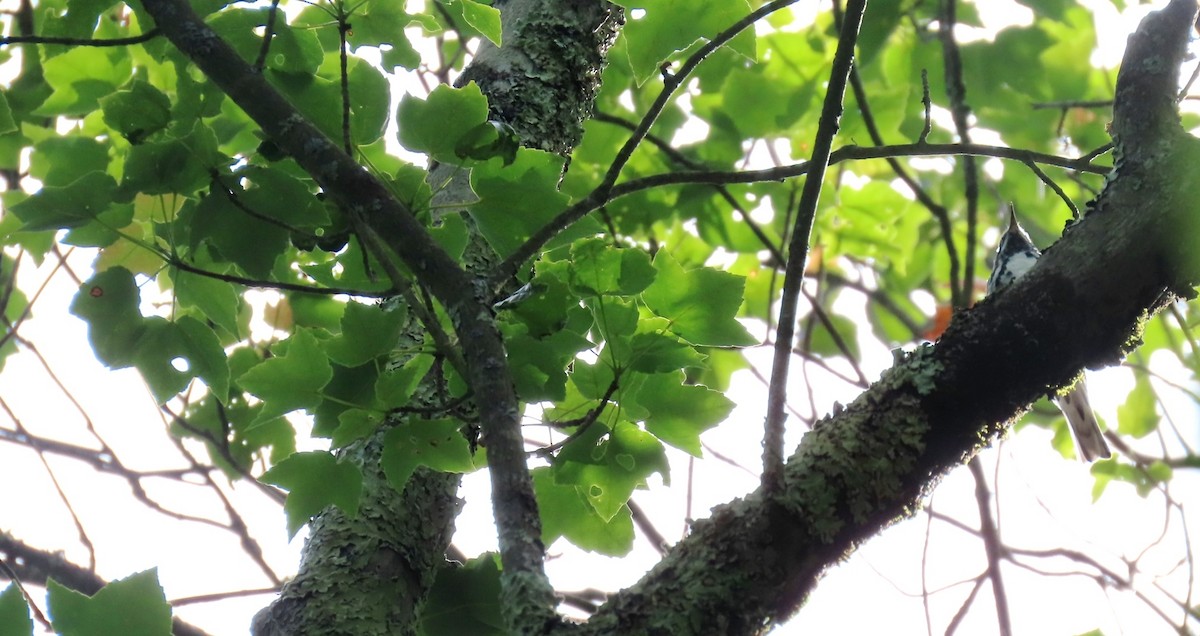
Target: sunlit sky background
{"x": 1046, "y": 500}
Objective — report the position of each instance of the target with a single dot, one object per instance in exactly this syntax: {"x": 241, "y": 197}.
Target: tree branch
{"x": 797, "y": 256}
{"x": 594, "y": 201}
{"x": 870, "y": 465}
{"x": 364, "y": 196}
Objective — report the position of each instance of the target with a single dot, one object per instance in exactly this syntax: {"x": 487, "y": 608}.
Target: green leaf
{"x": 292, "y": 381}
{"x": 395, "y": 386}
{"x": 1138, "y": 417}
{"x": 485, "y": 19}
{"x": 137, "y": 112}
{"x": 205, "y": 355}
{"x": 315, "y": 481}
{"x": 567, "y": 513}
{"x": 598, "y": 269}
{"x": 133, "y": 606}
{"x": 294, "y": 50}
{"x": 679, "y": 413}
{"x": 437, "y": 444}
{"x": 654, "y": 350}
{"x": 249, "y": 242}
{"x": 1160, "y": 471}
{"x": 108, "y": 302}
{"x": 614, "y": 317}
{"x": 606, "y": 465}
{"x": 215, "y": 299}
{"x": 159, "y": 344}
{"x": 14, "y": 612}
{"x": 79, "y": 20}
{"x": 673, "y": 25}
{"x": 1143, "y": 481}
{"x": 823, "y": 342}
{"x": 59, "y": 161}
{"x": 353, "y": 425}
{"x": 66, "y": 206}
{"x": 368, "y": 331}
{"x": 465, "y": 600}
{"x": 14, "y": 307}
{"x": 539, "y": 364}
{"x": 383, "y": 22}
{"x": 435, "y": 126}
{"x": 319, "y": 98}
{"x": 178, "y": 165}
{"x": 274, "y": 193}
{"x": 518, "y": 199}
{"x": 7, "y": 123}
{"x": 370, "y": 102}
{"x": 80, "y": 77}
{"x": 321, "y": 312}
{"x": 701, "y": 303}
{"x": 351, "y": 387}
{"x": 103, "y": 230}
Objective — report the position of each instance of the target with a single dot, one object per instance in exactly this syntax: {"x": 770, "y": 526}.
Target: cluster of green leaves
{"x": 186, "y": 204}
{"x": 142, "y": 158}
{"x": 630, "y": 335}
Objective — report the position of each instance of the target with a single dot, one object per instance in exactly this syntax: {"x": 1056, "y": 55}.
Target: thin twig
{"x": 961, "y": 113}
{"x": 44, "y": 39}
{"x": 268, "y": 35}
{"x": 1054, "y": 186}
{"x": 992, "y": 546}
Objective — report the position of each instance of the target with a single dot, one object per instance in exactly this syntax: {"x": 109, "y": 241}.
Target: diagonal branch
{"x": 365, "y": 197}
{"x": 870, "y": 466}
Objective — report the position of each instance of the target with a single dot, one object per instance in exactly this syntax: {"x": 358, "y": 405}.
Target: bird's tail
{"x": 1078, "y": 411}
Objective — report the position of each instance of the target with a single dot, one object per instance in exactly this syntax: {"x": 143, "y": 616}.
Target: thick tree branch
{"x": 869, "y": 466}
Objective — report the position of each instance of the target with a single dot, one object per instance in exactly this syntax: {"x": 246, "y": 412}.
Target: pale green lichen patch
{"x": 918, "y": 369}
{"x": 859, "y": 465}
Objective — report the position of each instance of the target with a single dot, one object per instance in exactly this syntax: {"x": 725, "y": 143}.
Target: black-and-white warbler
{"x": 1015, "y": 255}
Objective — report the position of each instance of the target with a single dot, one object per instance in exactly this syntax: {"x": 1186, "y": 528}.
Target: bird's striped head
{"x": 1015, "y": 254}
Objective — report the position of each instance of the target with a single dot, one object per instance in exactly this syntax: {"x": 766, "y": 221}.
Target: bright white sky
{"x": 1046, "y": 500}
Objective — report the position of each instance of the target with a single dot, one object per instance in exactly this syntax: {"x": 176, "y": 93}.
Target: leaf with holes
{"x": 438, "y": 444}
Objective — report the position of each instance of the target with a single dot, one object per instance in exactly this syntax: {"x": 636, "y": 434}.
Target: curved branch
{"x": 595, "y": 201}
